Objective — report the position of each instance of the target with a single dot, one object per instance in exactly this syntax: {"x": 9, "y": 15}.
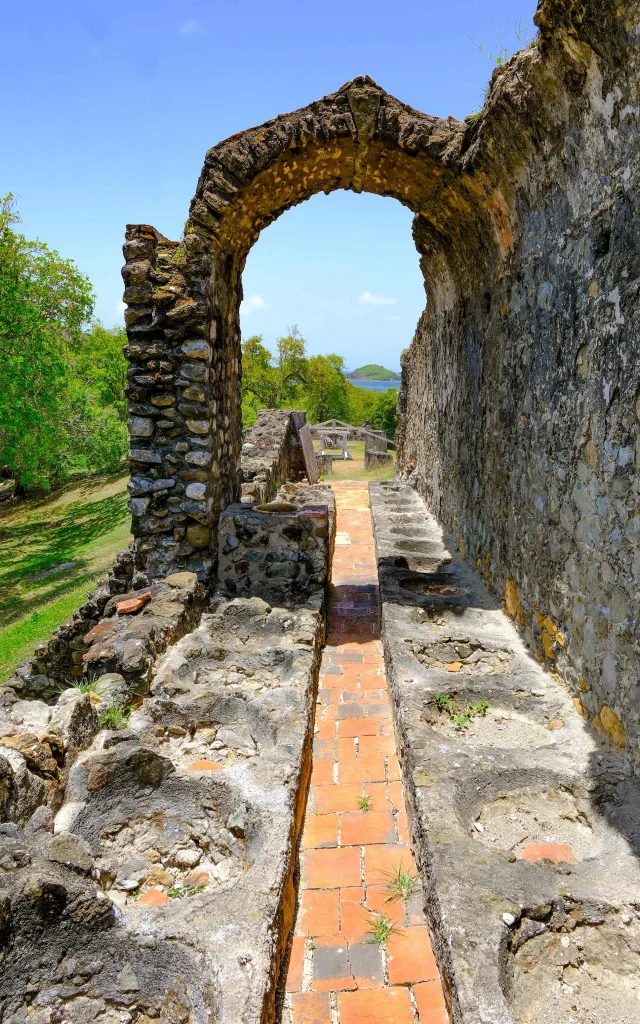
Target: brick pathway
{"x": 337, "y": 974}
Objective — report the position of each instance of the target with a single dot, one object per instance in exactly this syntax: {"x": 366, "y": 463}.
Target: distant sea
{"x": 375, "y": 385}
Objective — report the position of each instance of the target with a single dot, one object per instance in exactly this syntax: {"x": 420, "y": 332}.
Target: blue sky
{"x": 113, "y": 105}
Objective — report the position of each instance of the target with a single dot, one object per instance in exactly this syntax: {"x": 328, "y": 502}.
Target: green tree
{"x": 326, "y": 394}
{"x": 292, "y": 366}
{"x": 384, "y": 415}
{"x": 44, "y": 303}
{"x": 259, "y": 376}
{"x": 98, "y": 362}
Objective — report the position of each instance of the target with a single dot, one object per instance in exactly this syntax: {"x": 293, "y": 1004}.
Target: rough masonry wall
{"x": 271, "y": 453}
{"x": 520, "y": 396}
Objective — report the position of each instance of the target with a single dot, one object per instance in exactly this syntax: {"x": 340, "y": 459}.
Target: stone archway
{"x": 519, "y": 407}
{"x": 184, "y": 297}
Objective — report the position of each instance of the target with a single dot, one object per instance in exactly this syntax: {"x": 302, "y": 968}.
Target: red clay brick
{"x": 355, "y": 921}
{"x": 329, "y": 869}
{"x": 410, "y": 957}
{"x": 358, "y": 727}
{"x": 324, "y": 750}
{"x": 393, "y": 769}
{"x": 322, "y": 773}
{"x": 365, "y": 960}
{"x": 362, "y": 827}
{"x": 430, "y": 1003}
{"x": 327, "y": 696}
{"x": 327, "y": 799}
{"x": 320, "y": 830}
{"x": 377, "y": 793}
{"x": 311, "y": 1008}
{"x": 376, "y": 745}
{"x": 375, "y": 1006}
{"x": 347, "y": 748}
{"x": 319, "y": 912}
{"x": 153, "y": 898}
{"x": 394, "y": 789}
{"x": 415, "y": 908}
{"x": 372, "y": 683}
{"x": 296, "y": 960}
{"x": 369, "y": 768}
{"x": 378, "y": 902}
{"x": 325, "y": 730}
{"x": 556, "y": 852}
{"x": 403, "y": 827}
{"x": 205, "y": 765}
{"x": 381, "y": 861}
{"x": 331, "y": 970}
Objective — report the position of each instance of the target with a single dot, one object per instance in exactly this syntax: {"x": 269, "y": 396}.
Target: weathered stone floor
{"x": 337, "y": 974}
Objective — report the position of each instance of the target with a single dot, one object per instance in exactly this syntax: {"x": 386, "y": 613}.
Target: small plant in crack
{"x": 179, "y": 891}
{"x": 460, "y": 715}
{"x": 114, "y": 718}
{"x": 84, "y": 685}
{"x": 445, "y": 703}
{"x": 364, "y": 804}
{"x": 401, "y": 885}
{"x": 381, "y": 929}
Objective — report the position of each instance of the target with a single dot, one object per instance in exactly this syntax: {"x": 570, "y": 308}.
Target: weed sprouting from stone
{"x": 460, "y": 715}
{"x": 180, "y": 891}
{"x": 364, "y": 804}
{"x": 84, "y": 685}
{"x": 381, "y": 929}
{"x": 401, "y": 885}
{"x": 114, "y": 718}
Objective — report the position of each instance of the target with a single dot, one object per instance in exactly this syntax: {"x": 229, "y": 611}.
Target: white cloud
{"x": 392, "y": 319}
{"x": 250, "y": 305}
{"x": 368, "y": 299}
{"x": 191, "y": 28}
{"x": 120, "y": 307}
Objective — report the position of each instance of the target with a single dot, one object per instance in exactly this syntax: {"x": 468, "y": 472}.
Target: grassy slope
{"x": 353, "y": 469}
{"x": 85, "y": 523}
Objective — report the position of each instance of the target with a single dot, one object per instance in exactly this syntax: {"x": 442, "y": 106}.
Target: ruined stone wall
{"x": 185, "y": 442}
{"x": 520, "y": 394}
{"x": 271, "y": 453}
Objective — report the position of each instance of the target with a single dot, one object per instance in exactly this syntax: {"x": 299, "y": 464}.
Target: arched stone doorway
{"x": 184, "y": 297}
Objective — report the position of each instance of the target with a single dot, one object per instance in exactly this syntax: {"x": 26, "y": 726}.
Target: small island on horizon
{"x": 372, "y": 371}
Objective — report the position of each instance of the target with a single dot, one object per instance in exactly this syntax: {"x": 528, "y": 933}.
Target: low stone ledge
{"x": 524, "y": 824}
{"x": 271, "y": 453}
{"x": 189, "y": 816}
{"x": 279, "y": 551}
{"x": 59, "y": 658}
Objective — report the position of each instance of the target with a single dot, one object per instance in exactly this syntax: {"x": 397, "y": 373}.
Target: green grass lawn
{"x": 85, "y": 524}
{"x": 353, "y": 469}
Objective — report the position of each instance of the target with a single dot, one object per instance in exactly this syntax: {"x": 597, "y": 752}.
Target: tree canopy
{"x": 62, "y": 405}
{"x": 316, "y": 384}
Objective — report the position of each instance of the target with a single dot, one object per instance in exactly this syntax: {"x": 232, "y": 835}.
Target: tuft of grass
{"x": 180, "y": 891}
{"x": 364, "y": 804}
{"x": 84, "y": 685}
{"x": 401, "y": 885}
{"x": 114, "y": 718}
{"x": 381, "y": 929}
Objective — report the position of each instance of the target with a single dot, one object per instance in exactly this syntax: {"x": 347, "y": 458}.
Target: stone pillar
{"x": 376, "y": 460}
{"x": 181, "y": 390}
{"x": 325, "y": 464}
{"x": 377, "y": 443}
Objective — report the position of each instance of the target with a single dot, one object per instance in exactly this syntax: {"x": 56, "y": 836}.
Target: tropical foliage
{"x": 316, "y": 384}
{"x": 62, "y": 404}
